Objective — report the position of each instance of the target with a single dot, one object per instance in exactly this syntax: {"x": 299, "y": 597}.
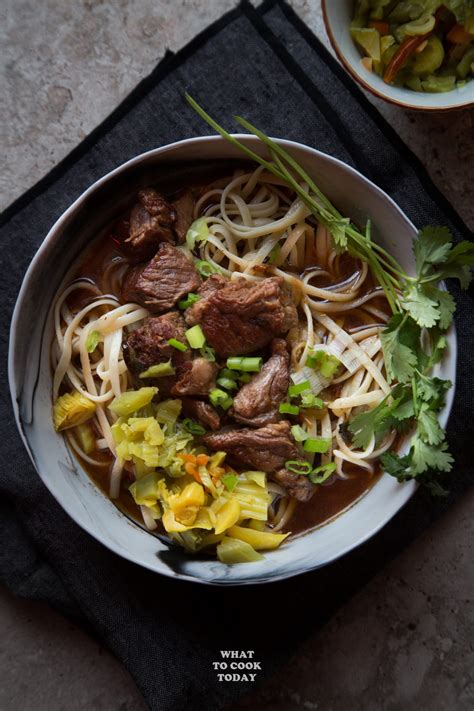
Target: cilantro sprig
{"x": 422, "y": 311}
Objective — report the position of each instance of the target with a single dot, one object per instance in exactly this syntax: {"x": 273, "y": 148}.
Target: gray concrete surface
{"x": 405, "y": 642}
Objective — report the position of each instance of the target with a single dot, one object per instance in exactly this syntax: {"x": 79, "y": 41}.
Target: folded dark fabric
{"x": 267, "y": 66}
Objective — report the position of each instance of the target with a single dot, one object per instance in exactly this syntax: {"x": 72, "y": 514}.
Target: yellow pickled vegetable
{"x": 260, "y": 478}
{"x": 146, "y": 490}
{"x": 86, "y": 437}
{"x": 227, "y": 512}
{"x": 430, "y": 59}
{"x": 131, "y": 401}
{"x": 260, "y": 540}
{"x": 369, "y": 40}
{"x": 231, "y": 551}
{"x": 203, "y": 520}
{"x": 185, "y": 506}
{"x": 168, "y": 411}
{"x": 72, "y": 409}
{"x": 253, "y": 499}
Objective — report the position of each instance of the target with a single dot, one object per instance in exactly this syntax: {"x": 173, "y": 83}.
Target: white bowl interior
{"x": 338, "y": 15}
{"x": 31, "y": 380}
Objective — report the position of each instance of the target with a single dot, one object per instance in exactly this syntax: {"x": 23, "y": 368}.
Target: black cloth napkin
{"x": 265, "y": 65}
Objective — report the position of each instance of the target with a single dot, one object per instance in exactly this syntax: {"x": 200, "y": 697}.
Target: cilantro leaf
{"x": 431, "y": 246}
{"x": 429, "y": 428}
{"x": 398, "y": 341}
{"x": 377, "y": 421}
{"x": 422, "y": 308}
{"x": 446, "y": 305}
{"x": 397, "y": 466}
{"x": 426, "y": 456}
{"x": 338, "y": 229}
{"x": 432, "y": 390}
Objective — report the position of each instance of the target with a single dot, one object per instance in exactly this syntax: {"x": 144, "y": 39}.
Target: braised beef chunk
{"x": 243, "y": 316}
{"x": 298, "y": 486}
{"x": 257, "y": 402}
{"x": 151, "y": 222}
{"x": 266, "y": 449}
{"x": 184, "y": 209}
{"x": 168, "y": 277}
{"x": 203, "y": 412}
{"x": 148, "y": 345}
{"x": 196, "y": 377}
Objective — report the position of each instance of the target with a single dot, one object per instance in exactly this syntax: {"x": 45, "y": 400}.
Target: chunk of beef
{"x": 266, "y": 449}
{"x": 148, "y": 345}
{"x": 196, "y": 377}
{"x": 202, "y": 411}
{"x": 298, "y": 486}
{"x": 184, "y": 209}
{"x": 257, "y": 402}
{"x": 158, "y": 285}
{"x": 243, "y": 316}
{"x": 151, "y": 221}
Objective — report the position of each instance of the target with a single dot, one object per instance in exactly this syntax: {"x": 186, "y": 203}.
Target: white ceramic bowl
{"x": 337, "y": 16}
{"x": 31, "y": 381}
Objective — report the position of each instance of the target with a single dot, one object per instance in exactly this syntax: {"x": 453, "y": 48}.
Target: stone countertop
{"x": 405, "y": 640}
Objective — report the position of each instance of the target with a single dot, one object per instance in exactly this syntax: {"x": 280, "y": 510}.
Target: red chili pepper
{"x": 407, "y": 49}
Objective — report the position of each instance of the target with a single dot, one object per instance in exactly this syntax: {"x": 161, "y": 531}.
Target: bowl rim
{"x": 408, "y": 488}
{"x": 370, "y": 88}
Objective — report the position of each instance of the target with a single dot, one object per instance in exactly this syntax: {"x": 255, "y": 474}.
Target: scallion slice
{"x": 158, "y": 371}
{"x": 205, "y": 269}
{"x": 193, "y": 427}
{"x": 219, "y": 398}
{"x": 188, "y": 301}
{"x": 208, "y": 353}
{"x": 298, "y": 388}
{"x": 287, "y": 409}
{"x": 195, "y": 337}
{"x": 299, "y": 434}
{"x": 298, "y": 466}
{"x": 246, "y": 365}
{"x": 92, "y": 341}
{"x": 227, "y": 383}
{"x": 229, "y": 480}
{"x": 320, "y": 474}
{"x": 177, "y": 344}
{"x": 319, "y": 445}
{"x": 310, "y": 400}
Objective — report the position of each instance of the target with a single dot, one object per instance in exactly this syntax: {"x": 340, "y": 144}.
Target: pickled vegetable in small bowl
{"x": 423, "y": 46}
{"x": 415, "y": 54}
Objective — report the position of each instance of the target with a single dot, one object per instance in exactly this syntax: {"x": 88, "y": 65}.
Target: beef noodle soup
{"x": 208, "y": 356}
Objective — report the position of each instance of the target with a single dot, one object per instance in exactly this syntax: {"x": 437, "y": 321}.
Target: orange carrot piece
{"x": 202, "y": 460}
{"x": 383, "y": 28}
{"x": 187, "y": 458}
{"x": 191, "y": 469}
{"x": 459, "y": 35}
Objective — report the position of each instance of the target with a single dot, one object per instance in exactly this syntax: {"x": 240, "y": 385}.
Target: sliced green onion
{"x": 205, "y": 269}
{"x": 320, "y": 474}
{"x": 219, "y": 398}
{"x": 299, "y": 388}
{"x": 227, "y": 373}
{"x": 229, "y": 480}
{"x": 310, "y": 400}
{"x": 177, "y": 344}
{"x": 287, "y": 409}
{"x": 274, "y": 254}
{"x": 247, "y": 365}
{"x": 245, "y": 377}
{"x": 195, "y": 336}
{"x": 325, "y": 362}
{"x": 319, "y": 445}
{"x": 208, "y": 353}
{"x": 298, "y": 466}
{"x": 92, "y": 341}
{"x": 193, "y": 427}
{"x": 198, "y": 232}
{"x": 227, "y": 383}
{"x": 158, "y": 371}
{"x": 299, "y": 433}
{"x": 188, "y": 301}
